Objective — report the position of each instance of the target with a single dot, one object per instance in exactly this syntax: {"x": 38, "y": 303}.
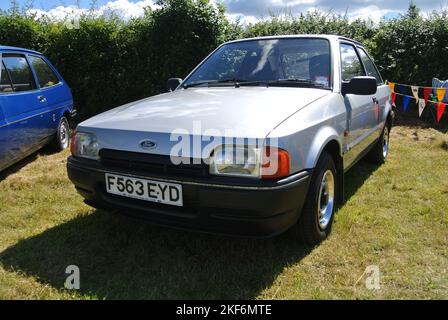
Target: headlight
{"x": 84, "y": 145}
{"x": 251, "y": 162}
{"x": 228, "y": 160}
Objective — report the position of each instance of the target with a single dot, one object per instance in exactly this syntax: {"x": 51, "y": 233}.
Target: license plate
{"x": 143, "y": 189}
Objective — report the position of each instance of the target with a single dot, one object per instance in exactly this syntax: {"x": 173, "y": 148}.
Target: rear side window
{"x": 351, "y": 65}
{"x": 21, "y": 76}
{"x": 5, "y": 83}
{"x": 370, "y": 66}
{"x": 45, "y": 75}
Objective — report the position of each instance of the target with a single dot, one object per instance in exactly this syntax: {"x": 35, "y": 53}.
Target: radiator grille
{"x": 151, "y": 164}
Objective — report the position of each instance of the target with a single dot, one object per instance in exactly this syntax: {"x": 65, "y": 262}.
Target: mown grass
{"x": 395, "y": 217}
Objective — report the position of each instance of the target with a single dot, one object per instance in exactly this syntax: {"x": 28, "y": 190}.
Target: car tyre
{"x": 317, "y": 216}
{"x": 380, "y": 151}
{"x": 62, "y": 139}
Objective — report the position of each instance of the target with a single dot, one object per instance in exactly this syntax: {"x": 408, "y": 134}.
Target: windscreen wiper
{"x": 298, "y": 82}
{"x": 242, "y": 82}
{"x": 195, "y": 84}
{"x": 209, "y": 83}
{"x": 286, "y": 82}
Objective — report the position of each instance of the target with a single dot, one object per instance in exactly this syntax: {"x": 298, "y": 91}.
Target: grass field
{"x": 395, "y": 217}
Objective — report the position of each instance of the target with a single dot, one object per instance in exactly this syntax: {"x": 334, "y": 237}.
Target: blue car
{"x": 36, "y": 105}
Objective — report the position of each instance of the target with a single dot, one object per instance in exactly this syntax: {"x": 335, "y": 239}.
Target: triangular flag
{"x": 415, "y": 92}
{"x": 441, "y": 94}
{"x": 392, "y": 86}
{"x": 406, "y": 100}
{"x": 426, "y": 93}
{"x": 421, "y": 106}
{"x": 393, "y": 98}
{"x": 440, "y": 109}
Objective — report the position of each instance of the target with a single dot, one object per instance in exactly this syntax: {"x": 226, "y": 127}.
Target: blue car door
{"x": 4, "y": 145}
{"x": 57, "y": 95}
{"x": 3, "y": 141}
{"x": 25, "y": 109}
{"x": 5, "y": 87}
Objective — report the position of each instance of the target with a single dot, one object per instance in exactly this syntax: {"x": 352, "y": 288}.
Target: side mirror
{"x": 173, "y": 83}
{"x": 363, "y": 86}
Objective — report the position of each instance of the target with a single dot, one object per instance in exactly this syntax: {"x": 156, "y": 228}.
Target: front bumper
{"x": 218, "y": 205}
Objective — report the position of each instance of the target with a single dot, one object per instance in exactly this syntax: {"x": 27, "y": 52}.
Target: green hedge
{"x": 109, "y": 62}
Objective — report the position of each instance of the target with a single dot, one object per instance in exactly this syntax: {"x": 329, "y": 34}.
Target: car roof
{"x": 8, "y": 48}
{"x": 322, "y": 36}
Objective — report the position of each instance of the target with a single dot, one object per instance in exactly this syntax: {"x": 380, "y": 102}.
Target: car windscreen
{"x": 303, "y": 60}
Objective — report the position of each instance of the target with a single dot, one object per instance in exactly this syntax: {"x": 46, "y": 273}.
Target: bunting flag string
{"x": 422, "y": 97}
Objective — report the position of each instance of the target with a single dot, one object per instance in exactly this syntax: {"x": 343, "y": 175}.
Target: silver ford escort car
{"x": 254, "y": 142}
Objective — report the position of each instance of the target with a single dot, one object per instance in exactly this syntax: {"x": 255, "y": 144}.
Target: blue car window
{"x": 44, "y": 73}
{"x": 5, "y": 82}
{"x": 20, "y": 72}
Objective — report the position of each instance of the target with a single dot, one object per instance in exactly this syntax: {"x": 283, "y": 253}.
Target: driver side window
{"x": 350, "y": 64}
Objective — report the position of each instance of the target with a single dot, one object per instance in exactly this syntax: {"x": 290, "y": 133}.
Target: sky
{"x": 244, "y": 10}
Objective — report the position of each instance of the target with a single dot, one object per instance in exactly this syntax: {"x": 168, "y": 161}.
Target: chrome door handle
{"x": 42, "y": 99}
{"x": 375, "y": 101}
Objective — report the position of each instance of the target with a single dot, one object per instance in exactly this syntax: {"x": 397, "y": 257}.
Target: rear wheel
{"x": 380, "y": 151}
{"x": 316, "y": 219}
{"x": 62, "y": 139}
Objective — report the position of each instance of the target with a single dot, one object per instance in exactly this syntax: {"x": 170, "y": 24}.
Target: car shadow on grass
{"x": 356, "y": 177}
{"x": 121, "y": 258}
{"x": 16, "y": 167}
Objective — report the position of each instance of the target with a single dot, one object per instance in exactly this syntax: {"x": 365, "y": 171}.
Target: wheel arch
{"x": 327, "y": 140}
{"x": 333, "y": 148}
{"x": 67, "y": 115}
{"x": 390, "y": 119}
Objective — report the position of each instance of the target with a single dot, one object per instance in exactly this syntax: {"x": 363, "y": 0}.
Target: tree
{"x": 413, "y": 11}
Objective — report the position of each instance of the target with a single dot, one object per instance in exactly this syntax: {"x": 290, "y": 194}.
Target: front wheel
{"x": 62, "y": 139}
{"x": 316, "y": 219}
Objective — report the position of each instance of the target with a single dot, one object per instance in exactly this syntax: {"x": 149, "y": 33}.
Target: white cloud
{"x": 123, "y": 8}
{"x": 242, "y": 19}
{"x": 126, "y": 9}
{"x": 371, "y": 12}
{"x": 58, "y": 13}
{"x": 251, "y": 11}
{"x": 374, "y": 9}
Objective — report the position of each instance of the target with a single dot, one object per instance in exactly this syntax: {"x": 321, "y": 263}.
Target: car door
{"x": 5, "y": 86}
{"x": 24, "y": 108}
{"x": 381, "y": 97}
{"x": 52, "y": 88}
{"x": 3, "y": 140}
{"x": 360, "y": 108}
